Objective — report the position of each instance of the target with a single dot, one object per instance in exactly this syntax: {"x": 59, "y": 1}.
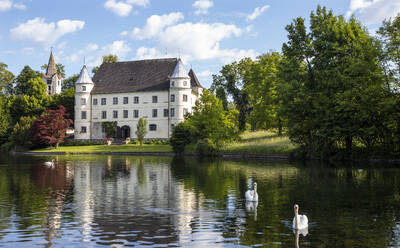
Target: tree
{"x": 21, "y": 133}
{"x": 333, "y": 81}
{"x": 141, "y": 130}
{"x": 6, "y": 79}
{"x": 5, "y": 119}
{"x": 230, "y": 82}
{"x": 65, "y": 98}
{"x": 25, "y": 105}
{"x": 182, "y": 136}
{"x": 51, "y": 127}
{"x": 106, "y": 59}
{"x": 110, "y": 128}
{"x": 69, "y": 82}
{"x": 22, "y": 82}
{"x": 261, "y": 86}
{"x": 60, "y": 69}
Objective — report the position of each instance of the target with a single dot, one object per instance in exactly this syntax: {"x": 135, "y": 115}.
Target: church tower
{"x": 51, "y": 78}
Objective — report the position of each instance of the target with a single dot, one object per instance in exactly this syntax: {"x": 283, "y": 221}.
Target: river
{"x": 94, "y": 201}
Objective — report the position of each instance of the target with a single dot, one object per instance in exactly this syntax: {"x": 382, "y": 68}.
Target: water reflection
{"x": 122, "y": 200}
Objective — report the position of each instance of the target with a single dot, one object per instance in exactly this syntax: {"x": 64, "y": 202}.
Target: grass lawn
{"x": 260, "y": 143}
{"x": 105, "y": 148}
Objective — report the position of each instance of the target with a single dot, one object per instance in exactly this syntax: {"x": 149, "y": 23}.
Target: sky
{"x": 205, "y": 34}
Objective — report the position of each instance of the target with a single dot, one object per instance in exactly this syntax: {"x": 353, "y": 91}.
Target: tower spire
{"x": 51, "y": 66}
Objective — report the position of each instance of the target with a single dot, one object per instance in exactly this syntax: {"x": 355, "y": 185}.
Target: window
{"x": 83, "y": 101}
{"x": 154, "y": 112}
{"x": 103, "y": 130}
{"x": 103, "y": 101}
{"x": 185, "y": 98}
{"x": 165, "y": 112}
{"x": 83, "y": 129}
{"x": 125, "y": 113}
{"x": 83, "y": 88}
{"x": 152, "y": 127}
{"x": 185, "y": 111}
{"x": 155, "y": 99}
{"x": 136, "y": 113}
{"x": 125, "y": 100}
{"x": 172, "y": 112}
{"x": 103, "y": 114}
{"x": 184, "y": 83}
{"x": 49, "y": 88}
{"x": 95, "y": 101}
{"x": 83, "y": 115}
{"x": 115, "y": 114}
{"x": 136, "y": 100}
{"x": 115, "y": 100}
{"x": 173, "y": 83}
{"x": 172, "y": 98}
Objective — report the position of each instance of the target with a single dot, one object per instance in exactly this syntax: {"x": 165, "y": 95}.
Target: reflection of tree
{"x": 141, "y": 172}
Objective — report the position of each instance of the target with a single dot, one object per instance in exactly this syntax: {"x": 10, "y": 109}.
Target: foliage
{"x": 182, "y": 135}
{"x": 25, "y": 105}
{"x": 23, "y": 81}
{"x": 111, "y": 58}
{"x": 21, "y": 133}
{"x": 69, "y": 82}
{"x": 60, "y": 69}
{"x": 334, "y": 83}
{"x": 230, "y": 83}
{"x": 110, "y": 128}
{"x": 262, "y": 88}
{"x": 5, "y": 119}
{"x": 51, "y": 127}
{"x": 206, "y": 147}
{"x": 65, "y": 98}
{"x": 6, "y": 79}
{"x": 141, "y": 130}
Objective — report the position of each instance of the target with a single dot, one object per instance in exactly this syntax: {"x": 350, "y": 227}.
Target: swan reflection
{"x": 251, "y": 206}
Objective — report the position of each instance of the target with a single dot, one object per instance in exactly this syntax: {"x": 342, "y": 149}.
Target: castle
{"x": 159, "y": 90}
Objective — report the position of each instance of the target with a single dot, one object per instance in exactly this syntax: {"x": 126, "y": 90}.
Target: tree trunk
{"x": 279, "y": 127}
{"x": 349, "y": 144}
{"x": 57, "y": 145}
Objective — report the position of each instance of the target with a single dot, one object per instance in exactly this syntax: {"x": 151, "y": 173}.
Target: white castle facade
{"x": 159, "y": 90}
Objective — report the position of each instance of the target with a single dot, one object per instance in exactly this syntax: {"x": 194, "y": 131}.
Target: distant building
{"x": 159, "y": 90}
{"x": 51, "y": 78}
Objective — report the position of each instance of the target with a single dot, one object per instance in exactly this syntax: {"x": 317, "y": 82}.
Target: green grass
{"x": 105, "y": 148}
{"x": 260, "y": 143}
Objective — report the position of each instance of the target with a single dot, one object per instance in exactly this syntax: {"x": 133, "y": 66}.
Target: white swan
{"x": 49, "y": 164}
{"x": 251, "y": 195}
{"x": 299, "y": 221}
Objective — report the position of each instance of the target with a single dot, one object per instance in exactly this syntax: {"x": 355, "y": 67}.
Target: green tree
{"x": 60, "y": 69}
{"x": 22, "y": 81}
{"x": 65, "y": 98}
{"x": 261, "y": 86}
{"x": 333, "y": 81}
{"x": 110, "y": 128}
{"x": 5, "y": 119}
{"x": 21, "y": 133}
{"x": 69, "y": 82}
{"x": 229, "y": 83}
{"x": 182, "y": 136}
{"x": 6, "y": 79}
{"x": 106, "y": 59}
{"x": 25, "y": 105}
{"x": 141, "y": 130}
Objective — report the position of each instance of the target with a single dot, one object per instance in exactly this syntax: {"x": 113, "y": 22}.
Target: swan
{"x": 251, "y": 195}
{"x": 49, "y": 164}
{"x": 299, "y": 221}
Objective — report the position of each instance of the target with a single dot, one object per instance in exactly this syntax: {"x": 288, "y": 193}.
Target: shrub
{"x": 206, "y": 147}
{"x": 181, "y": 136}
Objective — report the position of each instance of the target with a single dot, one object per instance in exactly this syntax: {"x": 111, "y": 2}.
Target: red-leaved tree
{"x": 51, "y": 127}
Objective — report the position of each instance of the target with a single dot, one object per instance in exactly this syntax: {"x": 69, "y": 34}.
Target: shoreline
{"x": 169, "y": 154}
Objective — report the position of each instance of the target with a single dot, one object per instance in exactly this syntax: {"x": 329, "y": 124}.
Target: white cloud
{"x": 119, "y": 48}
{"x": 191, "y": 41}
{"x": 8, "y": 5}
{"x": 142, "y": 3}
{"x": 257, "y": 12}
{"x": 37, "y": 30}
{"x": 374, "y": 11}
{"x": 202, "y": 6}
{"x": 119, "y": 8}
{"x": 205, "y": 73}
{"x": 91, "y": 47}
{"x": 155, "y": 24}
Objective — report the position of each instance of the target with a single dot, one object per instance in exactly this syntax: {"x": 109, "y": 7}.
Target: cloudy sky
{"x": 206, "y": 34}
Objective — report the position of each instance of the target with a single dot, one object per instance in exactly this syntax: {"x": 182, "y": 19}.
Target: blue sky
{"x": 206, "y": 34}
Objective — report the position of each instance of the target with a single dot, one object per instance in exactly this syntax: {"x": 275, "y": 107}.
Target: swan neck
{"x": 296, "y": 219}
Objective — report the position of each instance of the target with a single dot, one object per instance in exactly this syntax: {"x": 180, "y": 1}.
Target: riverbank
{"x": 261, "y": 144}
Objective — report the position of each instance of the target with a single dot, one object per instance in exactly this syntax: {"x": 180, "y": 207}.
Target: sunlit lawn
{"x": 111, "y": 148}
{"x": 260, "y": 143}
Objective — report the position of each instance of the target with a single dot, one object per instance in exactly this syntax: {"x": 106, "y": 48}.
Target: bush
{"x": 206, "y": 147}
{"x": 133, "y": 142}
{"x": 181, "y": 136}
{"x": 147, "y": 142}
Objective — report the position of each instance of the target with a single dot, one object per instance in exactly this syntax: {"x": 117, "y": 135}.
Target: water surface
{"x": 92, "y": 201}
